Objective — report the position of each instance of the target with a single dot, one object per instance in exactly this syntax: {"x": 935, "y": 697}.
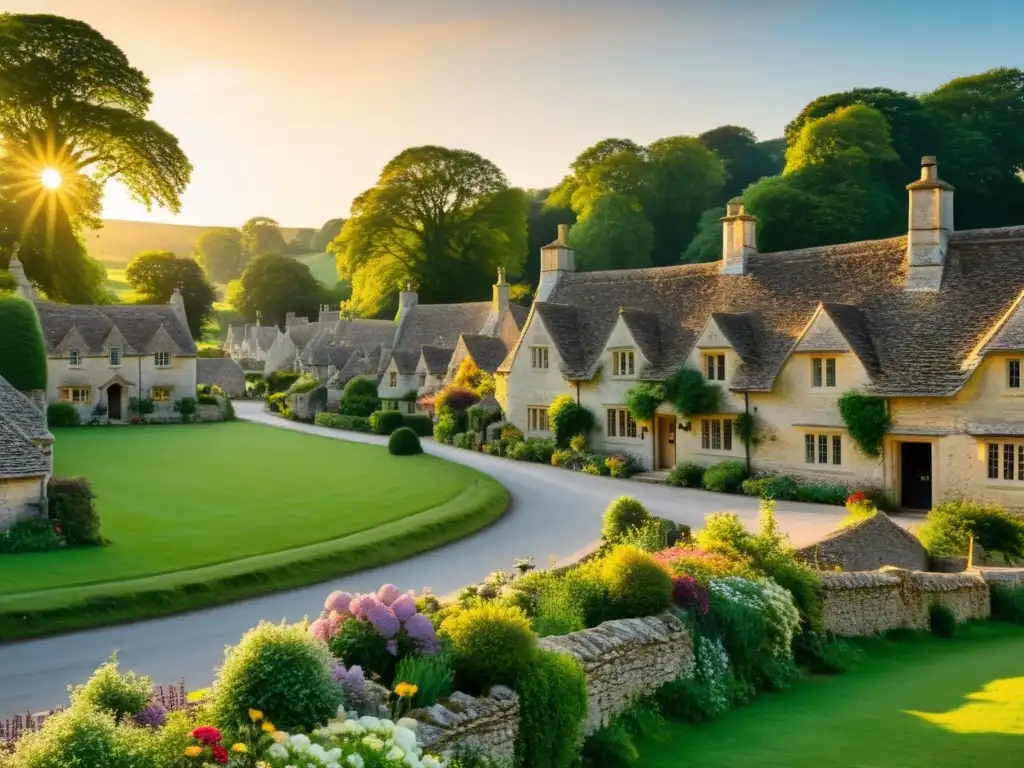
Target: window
{"x": 423, "y": 379}
{"x": 537, "y": 419}
{"x": 539, "y": 358}
{"x": 716, "y": 434}
{"x": 160, "y": 394}
{"x": 1013, "y": 374}
{"x": 823, "y": 449}
{"x": 82, "y": 395}
{"x": 823, "y": 371}
{"x": 1012, "y": 461}
{"x": 621, "y": 423}
{"x": 75, "y": 357}
{"x": 115, "y": 356}
{"x": 393, "y": 379}
{"x": 162, "y": 359}
{"x": 714, "y": 367}
{"x": 623, "y": 362}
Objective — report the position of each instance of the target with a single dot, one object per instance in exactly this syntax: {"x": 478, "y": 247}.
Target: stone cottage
{"x": 105, "y": 355}
{"x": 222, "y": 372}
{"x": 248, "y": 344}
{"x": 931, "y": 321}
{"x": 26, "y": 457}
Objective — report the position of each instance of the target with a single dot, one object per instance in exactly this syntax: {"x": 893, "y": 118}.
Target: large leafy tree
{"x": 273, "y": 285}
{"x": 330, "y": 230}
{"x": 301, "y": 242}
{"x": 441, "y": 219}
{"x": 155, "y": 274}
{"x": 222, "y": 253}
{"x": 262, "y": 235}
{"x": 70, "y": 101}
{"x": 542, "y": 220}
{"x": 745, "y": 159}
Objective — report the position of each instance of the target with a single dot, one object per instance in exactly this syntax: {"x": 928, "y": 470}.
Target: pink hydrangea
{"x": 422, "y": 632}
{"x": 382, "y": 619}
{"x": 323, "y": 629}
{"x": 404, "y": 607}
{"x": 338, "y": 602}
{"x": 361, "y": 604}
{"x": 388, "y": 594}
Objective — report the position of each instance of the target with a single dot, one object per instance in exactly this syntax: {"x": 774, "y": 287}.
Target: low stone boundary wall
{"x": 868, "y": 603}
{"x": 488, "y": 725}
{"x": 1005, "y": 577}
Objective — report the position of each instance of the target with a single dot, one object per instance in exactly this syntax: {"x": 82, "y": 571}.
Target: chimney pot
{"x": 563, "y": 233}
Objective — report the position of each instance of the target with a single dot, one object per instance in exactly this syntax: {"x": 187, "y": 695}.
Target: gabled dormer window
{"x": 539, "y": 358}
{"x": 75, "y": 357}
{"x": 1013, "y": 374}
{"x": 823, "y": 372}
{"x": 114, "y": 356}
{"x": 714, "y": 367}
{"x": 623, "y": 362}
{"x": 162, "y": 359}
{"x": 393, "y": 380}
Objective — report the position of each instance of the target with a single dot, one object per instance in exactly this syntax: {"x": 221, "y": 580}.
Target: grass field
{"x": 930, "y": 704}
{"x": 194, "y": 504}
{"x": 323, "y": 267}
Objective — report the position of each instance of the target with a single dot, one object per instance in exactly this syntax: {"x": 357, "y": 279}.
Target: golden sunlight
{"x": 51, "y": 178}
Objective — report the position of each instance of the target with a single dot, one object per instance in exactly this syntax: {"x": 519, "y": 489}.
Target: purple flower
{"x": 404, "y": 607}
{"x": 154, "y": 715}
{"x": 388, "y": 594}
{"x": 325, "y": 627}
{"x": 422, "y": 632}
{"x": 352, "y": 680}
{"x": 392, "y": 647}
{"x": 338, "y": 602}
{"x": 687, "y": 593}
{"x": 383, "y": 620}
{"x": 361, "y": 604}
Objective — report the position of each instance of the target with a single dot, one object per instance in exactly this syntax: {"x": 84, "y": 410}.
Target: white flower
{"x": 404, "y": 738}
{"x": 373, "y": 743}
{"x": 278, "y": 751}
{"x": 355, "y": 761}
{"x": 386, "y": 726}
{"x": 395, "y": 754}
{"x": 369, "y": 723}
{"x": 318, "y": 752}
{"x": 347, "y": 727}
{"x": 408, "y": 722}
{"x": 300, "y": 741}
{"x": 333, "y": 755}
{"x": 429, "y": 761}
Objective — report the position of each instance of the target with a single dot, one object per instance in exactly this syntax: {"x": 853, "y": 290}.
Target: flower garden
{"x": 362, "y": 683}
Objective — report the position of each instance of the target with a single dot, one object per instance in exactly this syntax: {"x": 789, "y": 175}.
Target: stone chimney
{"x": 500, "y": 294}
{"x": 931, "y": 224}
{"x": 178, "y": 305}
{"x": 556, "y": 259}
{"x": 407, "y": 299}
{"x": 739, "y": 238}
{"x": 17, "y": 270}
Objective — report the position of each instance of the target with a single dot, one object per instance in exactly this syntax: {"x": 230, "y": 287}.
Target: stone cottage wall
{"x": 867, "y": 545}
{"x": 626, "y": 659}
{"x": 20, "y": 498}
{"x": 858, "y": 604}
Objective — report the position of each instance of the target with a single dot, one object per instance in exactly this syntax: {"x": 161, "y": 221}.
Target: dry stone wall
{"x": 867, "y": 545}
{"x": 488, "y": 725}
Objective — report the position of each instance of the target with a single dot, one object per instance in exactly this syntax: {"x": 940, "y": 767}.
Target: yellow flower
{"x": 193, "y": 751}
{"x": 406, "y": 690}
{"x": 239, "y": 748}
{"x": 279, "y": 736}
{"x": 255, "y": 715}
{"x": 268, "y": 728}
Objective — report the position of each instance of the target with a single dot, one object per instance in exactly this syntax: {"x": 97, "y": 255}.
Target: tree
{"x": 855, "y": 132}
{"x": 612, "y": 233}
{"x": 745, "y": 160}
{"x": 300, "y": 242}
{"x": 22, "y": 351}
{"x": 273, "y": 285}
{"x": 262, "y": 235}
{"x": 72, "y": 102}
{"x": 435, "y": 213}
{"x": 542, "y": 220}
{"x": 706, "y": 244}
{"x": 155, "y": 274}
{"x": 322, "y": 239}
{"x": 221, "y": 253}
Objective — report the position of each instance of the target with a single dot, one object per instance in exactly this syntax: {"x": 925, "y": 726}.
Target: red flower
{"x": 220, "y": 755}
{"x": 56, "y": 527}
{"x": 856, "y": 498}
{"x": 206, "y": 734}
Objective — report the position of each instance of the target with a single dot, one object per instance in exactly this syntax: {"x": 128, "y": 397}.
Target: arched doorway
{"x": 114, "y": 402}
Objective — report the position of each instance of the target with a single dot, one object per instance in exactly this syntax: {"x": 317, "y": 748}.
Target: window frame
{"x": 1004, "y": 461}
{"x": 111, "y": 354}
{"x": 714, "y": 366}
{"x": 155, "y": 391}
{"x": 67, "y": 395}
{"x": 393, "y": 379}
{"x": 824, "y": 372}
{"x": 620, "y": 424}
{"x": 623, "y": 363}
{"x": 717, "y": 434}
{"x": 1013, "y": 374}
{"x": 422, "y": 379}
{"x": 537, "y": 418}
{"x": 75, "y": 358}
{"x": 823, "y": 449}
{"x": 540, "y": 359}
{"x": 158, "y": 356}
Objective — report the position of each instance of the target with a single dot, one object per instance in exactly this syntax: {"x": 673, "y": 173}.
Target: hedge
{"x": 341, "y": 421}
{"x": 22, "y": 351}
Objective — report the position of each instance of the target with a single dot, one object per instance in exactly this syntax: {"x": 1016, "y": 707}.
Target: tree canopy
{"x": 262, "y": 235}
{"x": 222, "y": 254}
{"x": 330, "y": 230}
{"x": 435, "y": 213}
{"x": 155, "y": 274}
{"x": 22, "y": 351}
{"x": 274, "y": 285}
{"x": 744, "y": 158}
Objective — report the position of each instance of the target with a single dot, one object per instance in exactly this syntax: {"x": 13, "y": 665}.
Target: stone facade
{"x": 1006, "y": 577}
{"x": 624, "y": 660}
{"x": 867, "y": 603}
{"x": 867, "y": 545}
{"x": 489, "y": 724}
{"x": 21, "y": 498}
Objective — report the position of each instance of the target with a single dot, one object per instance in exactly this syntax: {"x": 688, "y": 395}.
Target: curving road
{"x": 554, "y": 514}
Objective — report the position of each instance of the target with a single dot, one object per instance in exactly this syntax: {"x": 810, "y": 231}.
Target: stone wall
{"x": 867, "y": 545}
{"x": 1006, "y": 577}
{"x": 489, "y": 724}
{"x": 626, "y": 659}
{"x": 868, "y": 603}
{"x": 20, "y": 498}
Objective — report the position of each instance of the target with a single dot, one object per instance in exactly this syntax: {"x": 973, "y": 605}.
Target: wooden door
{"x": 666, "y": 428}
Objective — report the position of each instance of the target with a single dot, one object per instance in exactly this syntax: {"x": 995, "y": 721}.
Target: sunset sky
{"x": 289, "y": 108}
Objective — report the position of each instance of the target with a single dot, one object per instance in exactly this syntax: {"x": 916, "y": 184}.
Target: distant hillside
{"x": 118, "y": 242}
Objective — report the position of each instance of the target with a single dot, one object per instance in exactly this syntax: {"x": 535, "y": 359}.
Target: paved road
{"x": 555, "y": 513}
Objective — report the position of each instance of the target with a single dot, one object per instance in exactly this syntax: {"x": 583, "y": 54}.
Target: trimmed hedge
{"x": 340, "y": 421}
{"x": 725, "y": 477}
{"x": 22, "y": 351}
{"x": 419, "y": 423}
{"x": 71, "y": 507}
{"x": 386, "y": 422}
{"x": 404, "y": 442}
{"x": 280, "y": 381}
{"x": 62, "y": 415}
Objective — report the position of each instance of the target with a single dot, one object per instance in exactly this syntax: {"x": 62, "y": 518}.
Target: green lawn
{"x": 191, "y": 504}
{"x": 930, "y": 704}
{"x": 323, "y": 267}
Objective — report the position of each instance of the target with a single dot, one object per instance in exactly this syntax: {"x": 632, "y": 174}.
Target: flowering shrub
{"x": 637, "y": 584}
{"x": 688, "y": 594}
{"x": 703, "y": 566}
{"x": 859, "y": 507}
{"x": 714, "y": 672}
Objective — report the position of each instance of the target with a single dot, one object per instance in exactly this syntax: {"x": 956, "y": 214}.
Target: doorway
{"x": 114, "y": 402}
{"x": 666, "y": 442}
{"x": 916, "y": 475}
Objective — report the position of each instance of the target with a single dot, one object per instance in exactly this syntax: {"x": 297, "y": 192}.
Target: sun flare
{"x": 51, "y": 178}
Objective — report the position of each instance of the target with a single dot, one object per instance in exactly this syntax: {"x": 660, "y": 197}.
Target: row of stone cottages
{"x": 932, "y": 322}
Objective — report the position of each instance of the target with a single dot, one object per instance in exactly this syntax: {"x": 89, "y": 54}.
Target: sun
{"x": 51, "y": 178}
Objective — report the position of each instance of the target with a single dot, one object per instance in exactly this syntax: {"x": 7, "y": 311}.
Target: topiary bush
{"x": 948, "y": 529}
{"x": 186, "y": 407}
{"x": 419, "y": 423}
{"x": 280, "y": 381}
{"x": 22, "y": 351}
{"x": 359, "y": 398}
{"x": 62, "y": 415}
{"x": 725, "y": 477}
{"x": 71, "y": 506}
{"x": 637, "y": 585}
{"x": 282, "y": 671}
{"x": 386, "y": 422}
{"x": 552, "y": 704}
{"x": 122, "y": 696}
{"x": 621, "y": 515}
{"x": 404, "y": 442}
{"x": 492, "y": 645}
{"x": 686, "y": 474}
{"x": 567, "y": 419}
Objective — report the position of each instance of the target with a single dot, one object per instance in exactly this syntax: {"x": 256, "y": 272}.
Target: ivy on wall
{"x": 748, "y": 428}
{"x": 867, "y": 419}
{"x": 643, "y": 400}
{"x": 692, "y": 394}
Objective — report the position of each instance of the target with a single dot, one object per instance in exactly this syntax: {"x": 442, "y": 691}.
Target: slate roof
{"x": 222, "y": 371}
{"x": 739, "y": 331}
{"x": 853, "y": 325}
{"x": 436, "y": 359}
{"x": 19, "y": 457}
{"x": 441, "y": 324}
{"x": 265, "y": 335}
{"x": 365, "y": 333}
{"x": 359, "y": 364}
{"x": 302, "y": 334}
{"x": 924, "y": 342}
{"x": 236, "y": 333}
{"x": 995, "y": 429}
{"x": 519, "y": 314}
{"x": 406, "y": 361}
{"x": 22, "y": 412}
{"x": 487, "y": 352}
{"x": 137, "y": 323}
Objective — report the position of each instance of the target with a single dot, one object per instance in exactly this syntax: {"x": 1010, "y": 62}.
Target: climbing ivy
{"x": 643, "y": 400}
{"x": 748, "y": 428}
{"x": 867, "y": 419}
{"x": 692, "y": 394}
